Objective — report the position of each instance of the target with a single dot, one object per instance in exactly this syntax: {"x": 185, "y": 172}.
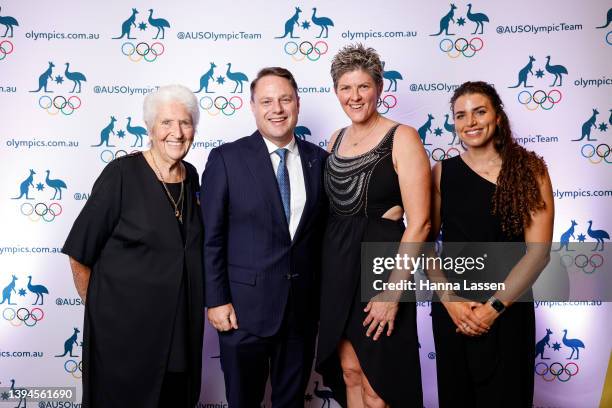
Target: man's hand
{"x": 223, "y": 318}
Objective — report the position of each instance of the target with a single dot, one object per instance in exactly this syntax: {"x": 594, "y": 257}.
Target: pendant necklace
{"x": 177, "y": 213}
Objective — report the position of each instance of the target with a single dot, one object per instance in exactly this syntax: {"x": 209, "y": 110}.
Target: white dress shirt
{"x": 296, "y": 180}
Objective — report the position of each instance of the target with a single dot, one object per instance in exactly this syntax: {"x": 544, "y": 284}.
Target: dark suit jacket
{"x": 249, "y": 257}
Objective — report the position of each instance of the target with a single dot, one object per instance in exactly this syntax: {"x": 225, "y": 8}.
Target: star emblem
{"x": 59, "y": 79}
{"x": 581, "y": 238}
{"x": 602, "y": 127}
{"x": 556, "y": 346}
{"x": 22, "y": 292}
{"x": 120, "y": 134}
{"x": 461, "y": 21}
{"x": 438, "y": 132}
{"x": 40, "y": 186}
{"x": 305, "y": 25}
{"x": 539, "y": 73}
{"x": 4, "y": 396}
{"x": 308, "y": 397}
{"x": 142, "y": 26}
{"x": 220, "y": 80}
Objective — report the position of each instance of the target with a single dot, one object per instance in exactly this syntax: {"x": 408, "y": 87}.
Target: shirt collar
{"x": 292, "y": 146}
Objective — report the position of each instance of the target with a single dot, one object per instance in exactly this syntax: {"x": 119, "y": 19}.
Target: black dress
{"x": 495, "y": 369}
{"x": 361, "y": 189}
{"x": 144, "y": 309}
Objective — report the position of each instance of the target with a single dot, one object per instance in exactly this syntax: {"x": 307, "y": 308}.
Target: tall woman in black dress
{"x": 377, "y": 172}
{"x": 494, "y": 192}
{"x": 136, "y": 256}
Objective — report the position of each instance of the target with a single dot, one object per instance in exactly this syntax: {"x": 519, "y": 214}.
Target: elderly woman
{"x": 377, "y": 172}
{"x": 136, "y": 255}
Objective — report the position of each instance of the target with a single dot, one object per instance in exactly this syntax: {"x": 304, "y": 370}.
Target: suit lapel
{"x": 309, "y": 169}
{"x": 258, "y": 161}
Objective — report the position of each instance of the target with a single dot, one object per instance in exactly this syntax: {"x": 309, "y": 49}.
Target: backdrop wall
{"x": 73, "y": 77}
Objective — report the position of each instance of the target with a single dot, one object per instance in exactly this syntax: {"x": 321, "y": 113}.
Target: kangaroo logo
{"x": 75, "y": 77}
{"x": 44, "y": 78}
{"x": 445, "y": 21}
{"x": 237, "y": 77}
{"x": 426, "y": 128}
{"x": 206, "y": 78}
{"x": 159, "y": 23}
{"x": 137, "y": 131}
{"x": 127, "y": 25}
{"x": 586, "y": 127}
{"x": 608, "y": 20}
{"x": 292, "y": 22}
{"x": 301, "y": 132}
{"x": 70, "y": 343}
{"x": 557, "y": 70}
{"x": 574, "y": 344}
{"x": 540, "y": 345}
{"x": 392, "y": 77}
{"x": 597, "y": 235}
{"x": 24, "y": 187}
{"x": 105, "y": 134}
{"x": 56, "y": 185}
{"x": 564, "y": 242}
{"x": 10, "y": 22}
{"x": 39, "y": 290}
{"x": 8, "y": 291}
{"x": 523, "y": 74}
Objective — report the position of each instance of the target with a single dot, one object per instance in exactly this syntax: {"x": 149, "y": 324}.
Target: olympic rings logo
{"x": 73, "y": 368}
{"x": 42, "y": 211}
{"x": 386, "y": 103}
{"x": 556, "y": 370}
{"x": 108, "y": 156}
{"x": 439, "y": 154}
{"x": 588, "y": 264}
{"x": 23, "y": 316}
{"x": 6, "y": 47}
{"x": 540, "y": 98}
{"x": 461, "y": 46}
{"x": 221, "y": 104}
{"x": 142, "y": 50}
{"x": 59, "y": 104}
{"x": 596, "y": 154}
{"x": 306, "y": 50}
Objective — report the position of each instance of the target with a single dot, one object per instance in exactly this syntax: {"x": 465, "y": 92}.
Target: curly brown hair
{"x": 517, "y": 194}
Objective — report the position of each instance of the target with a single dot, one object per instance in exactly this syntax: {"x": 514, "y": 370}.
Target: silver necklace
{"x": 177, "y": 213}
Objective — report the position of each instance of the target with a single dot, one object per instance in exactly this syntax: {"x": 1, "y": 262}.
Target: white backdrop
{"x": 48, "y": 125}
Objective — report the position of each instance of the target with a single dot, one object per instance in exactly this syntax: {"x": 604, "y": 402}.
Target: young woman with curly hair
{"x": 496, "y": 191}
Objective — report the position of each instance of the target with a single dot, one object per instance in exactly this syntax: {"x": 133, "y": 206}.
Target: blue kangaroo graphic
{"x": 69, "y": 344}
{"x": 56, "y": 185}
{"x": 291, "y": 23}
{"x": 75, "y": 77}
{"x": 598, "y": 235}
{"x": 301, "y": 132}
{"x": 24, "y": 187}
{"x": 608, "y": 20}
{"x": 478, "y": 18}
{"x": 323, "y": 22}
{"x": 237, "y": 77}
{"x": 586, "y": 127}
{"x": 564, "y": 241}
{"x": 126, "y": 26}
{"x": 540, "y": 345}
{"x": 9, "y": 22}
{"x": 392, "y": 77}
{"x": 39, "y": 290}
{"x": 445, "y": 21}
{"x": 44, "y": 78}
{"x": 450, "y": 128}
{"x": 523, "y": 73}
{"x": 105, "y": 134}
{"x": 137, "y": 131}
{"x": 8, "y": 291}
{"x": 426, "y": 128}
{"x": 557, "y": 70}
{"x": 205, "y": 79}
{"x": 574, "y": 344}
{"x": 160, "y": 23}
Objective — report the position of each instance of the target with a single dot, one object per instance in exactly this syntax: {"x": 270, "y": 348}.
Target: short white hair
{"x": 170, "y": 93}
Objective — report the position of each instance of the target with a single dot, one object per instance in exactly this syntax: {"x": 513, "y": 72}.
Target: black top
{"x": 143, "y": 273}
{"x": 347, "y": 180}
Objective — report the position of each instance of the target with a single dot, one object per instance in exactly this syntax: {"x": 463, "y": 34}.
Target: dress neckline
{"x": 341, "y": 136}
{"x": 474, "y": 171}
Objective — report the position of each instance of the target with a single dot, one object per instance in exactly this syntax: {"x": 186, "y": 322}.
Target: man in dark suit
{"x": 264, "y": 207}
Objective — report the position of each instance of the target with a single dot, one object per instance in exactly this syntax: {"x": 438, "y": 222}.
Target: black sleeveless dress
{"x": 495, "y": 369}
{"x": 360, "y": 190}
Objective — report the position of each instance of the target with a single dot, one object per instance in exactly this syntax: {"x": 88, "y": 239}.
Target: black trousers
{"x": 287, "y": 357}
{"x": 175, "y": 391}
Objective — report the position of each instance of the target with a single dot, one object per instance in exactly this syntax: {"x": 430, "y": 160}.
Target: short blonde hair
{"x": 357, "y": 57}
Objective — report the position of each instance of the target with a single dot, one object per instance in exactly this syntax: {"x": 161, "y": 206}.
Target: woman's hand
{"x": 380, "y": 314}
{"x": 467, "y": 321}
{"x": 486, "y": 313}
